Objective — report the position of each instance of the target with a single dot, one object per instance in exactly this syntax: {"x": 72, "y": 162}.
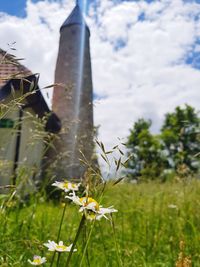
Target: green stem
{"x": 85, "y": 239}
{"x": 58, "y": 236}
{"x": 58, "y": 260}
{"x": 102, "y": 242}
{"x": 61, "y": 222}
{"x": 92, "y": 227}
{"x": 116, "y": 245}
{"x": 86, "y": 245}
{"x": 52, "y": 260}
{"x": 75, "y": 239}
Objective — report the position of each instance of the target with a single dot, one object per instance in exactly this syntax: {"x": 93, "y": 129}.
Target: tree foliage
{"x": 146, "y": 149}
{"x": 173, "y": 149}
{"x": 181, "y": 137}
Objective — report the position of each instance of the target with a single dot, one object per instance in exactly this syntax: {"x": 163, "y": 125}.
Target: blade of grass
{"x": 116, "y": 245}
{"x": 58, "y": 236}
{"x": 75, "y": 239}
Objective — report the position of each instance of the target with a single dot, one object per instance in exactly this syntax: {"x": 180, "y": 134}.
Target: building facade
{"x": 24, "y": 119}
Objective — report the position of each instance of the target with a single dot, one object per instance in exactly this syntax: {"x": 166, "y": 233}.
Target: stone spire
{"x": 72, "y": 101}
{"x": 76, "y": 17}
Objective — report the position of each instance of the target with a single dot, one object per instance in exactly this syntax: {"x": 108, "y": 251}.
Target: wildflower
{"x": 37, "y": 260}
{"x": 103, "y": 211}
{"x": 91, "y": 207}
{"x": 89, "y": 204}
{"x": 66, "y": 186}
{"x": 183, "y": 261}
{"x": 60, "y": 247}
{"x": 172, "y": 206}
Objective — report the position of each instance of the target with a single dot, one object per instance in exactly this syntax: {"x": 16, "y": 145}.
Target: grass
{"x": 152, "y": 219}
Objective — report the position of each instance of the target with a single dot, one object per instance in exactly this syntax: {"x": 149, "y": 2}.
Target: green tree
{"x": 174, "y": 149}
{"x": 180, "y": 135}
{"x": 147, "y": 158}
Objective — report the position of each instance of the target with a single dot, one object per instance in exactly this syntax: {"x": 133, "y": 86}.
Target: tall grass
{"x": 151, "y": 221}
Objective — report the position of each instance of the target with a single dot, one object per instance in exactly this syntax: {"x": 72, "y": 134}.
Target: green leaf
{"x": 118, "y": 164}
{"x": 119, "y": 180}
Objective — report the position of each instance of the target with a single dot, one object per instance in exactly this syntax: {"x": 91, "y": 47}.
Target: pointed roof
{"x": 76, "y": 17}
{"x": 14, "y": 76}
{"x": 11, "y": 68}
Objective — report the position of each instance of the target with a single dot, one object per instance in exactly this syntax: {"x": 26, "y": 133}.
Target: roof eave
{"x": 72, "y": 24}
{"x": 35, "y": 101}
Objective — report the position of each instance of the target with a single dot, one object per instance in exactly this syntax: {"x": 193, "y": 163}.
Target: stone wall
{"x": 72, "y": 102}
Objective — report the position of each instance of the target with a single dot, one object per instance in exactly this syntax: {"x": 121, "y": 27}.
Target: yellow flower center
{"x": 73, "y": 185}
{"x": 88, "y": 200}
{"x": 62, "y": 247}
{"x": 65, "y": 185}
{"x": 37, "y": 261}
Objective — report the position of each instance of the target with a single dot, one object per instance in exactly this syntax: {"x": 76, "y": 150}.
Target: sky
{"x": 145, "y": 55}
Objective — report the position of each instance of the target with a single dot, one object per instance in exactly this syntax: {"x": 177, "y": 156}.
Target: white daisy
{"x": 91, "y": 207}
{"x": 60, "y": 247}
{"x": 172, "y": 206}
{"x": 103, "y": 211}
{"x": 37, "y": 260}
{"x": 66, "y": 186}
{"x": 86, "y": 203}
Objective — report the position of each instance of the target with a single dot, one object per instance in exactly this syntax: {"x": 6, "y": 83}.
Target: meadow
{"x": 155, "y": 224}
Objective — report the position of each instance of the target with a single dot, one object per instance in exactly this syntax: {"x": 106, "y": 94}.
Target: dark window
{"x": 6, "y": 123}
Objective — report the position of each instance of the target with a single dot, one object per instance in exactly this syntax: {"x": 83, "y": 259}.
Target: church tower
{"x": 73, "y": 96}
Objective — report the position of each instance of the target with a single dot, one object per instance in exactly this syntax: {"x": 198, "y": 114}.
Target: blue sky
{"x": 17, "y": 7}
{"x": 145, "y": 55}
{"x": 14, "y": 7}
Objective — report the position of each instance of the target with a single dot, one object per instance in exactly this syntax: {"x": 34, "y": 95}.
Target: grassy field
{"x": 151, "y": 221}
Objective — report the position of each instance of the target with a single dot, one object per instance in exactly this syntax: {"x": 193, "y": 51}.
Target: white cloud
{"x": 147, "y": 77}
{"x": 36, "y": 36}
